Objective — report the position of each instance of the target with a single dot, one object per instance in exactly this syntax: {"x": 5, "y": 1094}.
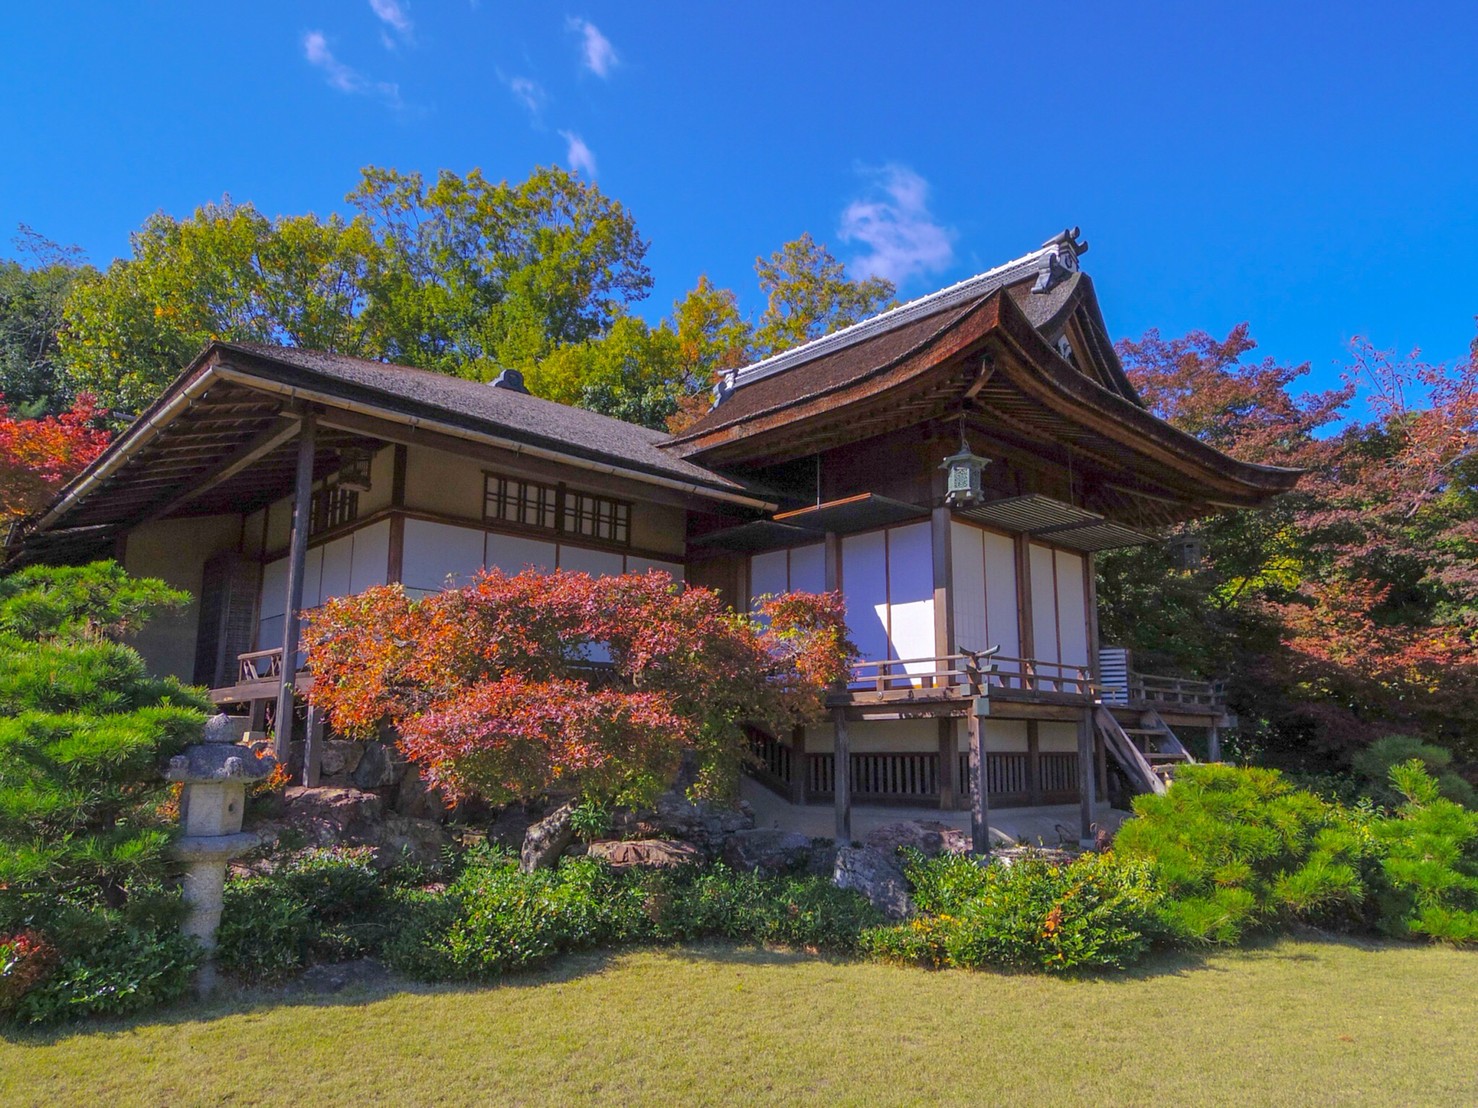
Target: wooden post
{"x": 296, "y": 557}
{"x": 944, "y": 617}
{"x": 1213, "y": 743}
{"x": 948, "y": 748}
{"x": 841, "y": 777}
{"x": 798, "y": 765}
{"x": 1086, "y": 777}
{"x": 313, "y": 748}
{"x": 1033, "y": 762}
{"x": 1025, "y": 621}
{"x": 256, "y": 719}
{"x": 979, "y": 797}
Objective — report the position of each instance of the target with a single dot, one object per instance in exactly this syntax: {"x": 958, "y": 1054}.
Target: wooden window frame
{"x": 539, "y": 507}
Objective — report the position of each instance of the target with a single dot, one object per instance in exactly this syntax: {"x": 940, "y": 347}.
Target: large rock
{"x": 547, "y": 839}
{"x": 340, "y": 756}
{"x": 768, "y": 849}
{"x": 876, "y": 876}
{"x": 645, "y": 853}
{"x": 707, "y": 824}
{"x": 928, "y": 836}
{"x": 380, "y": 766}
{"x": 417, "y": 841}
{"x": 417, "y": 799}
{"x": 329, "y": 816}
{"x": 354, "y": 817}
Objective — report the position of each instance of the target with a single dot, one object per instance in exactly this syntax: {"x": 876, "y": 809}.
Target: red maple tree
{"x": 39, "y": 456}
{"x": 514, "y": 685}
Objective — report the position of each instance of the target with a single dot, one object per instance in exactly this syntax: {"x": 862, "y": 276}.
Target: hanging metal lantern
{"x": 354, "y": 468}
{"x": 963, "y": 485}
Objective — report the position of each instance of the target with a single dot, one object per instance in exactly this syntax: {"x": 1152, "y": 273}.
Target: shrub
{"x": 1098, "y": 911}
{"x": 1430, "y": 868}
{"x": 322, "y": 905}
{"x": 806, "y": 912}
{"x": 127, "y": 970}
{"x": 1238, "y": 848}
{"x": 1374, "y": 764}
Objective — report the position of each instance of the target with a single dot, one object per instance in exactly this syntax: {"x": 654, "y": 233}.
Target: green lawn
{"x": 1293, "y": 1022}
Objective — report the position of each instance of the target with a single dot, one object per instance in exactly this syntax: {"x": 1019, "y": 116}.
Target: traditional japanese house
{"x": 951, "y": 465}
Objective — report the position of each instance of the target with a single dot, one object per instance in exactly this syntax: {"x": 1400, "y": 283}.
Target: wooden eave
{"x": 1019, "y": 389}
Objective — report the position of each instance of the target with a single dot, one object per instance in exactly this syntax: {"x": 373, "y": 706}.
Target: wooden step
{"x": 1146, "y": 730}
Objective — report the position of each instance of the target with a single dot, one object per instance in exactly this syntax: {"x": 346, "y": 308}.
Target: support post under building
{"x": 296, "y": 561}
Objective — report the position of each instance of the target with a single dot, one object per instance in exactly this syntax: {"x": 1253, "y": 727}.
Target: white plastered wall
{"x": 176, "y": 550}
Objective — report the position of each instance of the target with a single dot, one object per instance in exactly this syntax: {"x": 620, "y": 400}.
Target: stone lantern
{"x": 215, "y": 773}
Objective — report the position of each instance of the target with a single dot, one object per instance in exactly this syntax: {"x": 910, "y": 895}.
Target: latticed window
{"x": 597, "y": 517}
{"x": 333, "y": 507}
{"x": 551, "y": 508}
{"x": 527, "y": 503}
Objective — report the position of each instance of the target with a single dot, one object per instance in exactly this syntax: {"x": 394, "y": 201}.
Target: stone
{"x": 707, "y": 824}
{"x": 876, "y": 876}
{"x": 928, "y": 836}
{"x": 221, "y": 728}
{"x": 380, "y": 766}
{"x": 340, "y": 756}
{"x": 547, "y": 839}
{"x": 404, "y": 839}
{"x": 329, "y": 816}
{"x": 417, "y": 799}
{"x": 645, "y": 853}
{"x": 767, "y": 849}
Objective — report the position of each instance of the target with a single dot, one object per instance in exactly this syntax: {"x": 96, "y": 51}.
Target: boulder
{"x": 645, "y": 853}
{"x": 707, "y": 824}
{"x": 417, "y": 841}
{"x": 547, "y": 839}
{"x": 380, "y": 766}
{"x": 417, "y": 799}
{"x": 928, "y": 836}
{"x": 768, "y": 849}
{"x": 876, "y": 876}
{"x": 328, "y": 816}
{"x": 340, "y": 756}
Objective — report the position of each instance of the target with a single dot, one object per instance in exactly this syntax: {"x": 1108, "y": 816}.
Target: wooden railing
{"x": 1148, "y": 688}
{"x": 259, "y": 666}
{"x": 914, "y": 777}
{"x": 774, "y": 758}
{"x": 896, "y": 678}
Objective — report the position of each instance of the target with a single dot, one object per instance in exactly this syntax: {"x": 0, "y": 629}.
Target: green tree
{"x": 226, "y": 272}
{"x": 809, "y": 294}
{"x": 477, "y": 275}
{"x": 33, "y": 294}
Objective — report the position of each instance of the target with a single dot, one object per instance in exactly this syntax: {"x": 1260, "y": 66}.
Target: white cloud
{"x": 598, "y": 53}
{"x": 580, "y": 157}
{"x": 529, "y": 93}
{"x": 394, "y": 15}
{"x": 894, "y": 222}
{"x": 343, "y": 77}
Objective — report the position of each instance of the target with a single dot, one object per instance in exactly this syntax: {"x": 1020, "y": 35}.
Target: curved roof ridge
{"x": 961, "y": 291}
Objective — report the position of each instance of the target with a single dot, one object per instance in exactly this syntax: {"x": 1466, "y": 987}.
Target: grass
{"x": 1307, "y": 1022}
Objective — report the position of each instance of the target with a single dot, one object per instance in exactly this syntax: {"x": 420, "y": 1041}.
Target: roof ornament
{"x": 1063, "y": 261}
{"x": 510, "y": 379}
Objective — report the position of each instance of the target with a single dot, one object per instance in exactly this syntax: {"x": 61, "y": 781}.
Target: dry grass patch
{"x": 1294, "y": 1022}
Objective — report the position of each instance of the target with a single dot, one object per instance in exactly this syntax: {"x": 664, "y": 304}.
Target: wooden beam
{"x": 1213, "y": 743}
{"x": 313, "y": 748}
{"x": 798, "y": 766}
{"x": 1025, "y": 625}
{"x": 395, "y": 562}
{"x": 259, "y": 447}
{"x": 297, "y": 557}
{"x": 1034, "y": 761}
{"x": 948, "y": 749}
{"x": 944, "y": 616}
{"x": 979, "y": 797}
{"x": 1086, "y": 778}
{"x": 510, "y": 461}
{"x": 401, "y": 466}
{"x": 841, "y": 777}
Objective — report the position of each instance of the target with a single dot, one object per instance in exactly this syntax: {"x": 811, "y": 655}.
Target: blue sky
{"x": 1310, "y": 168}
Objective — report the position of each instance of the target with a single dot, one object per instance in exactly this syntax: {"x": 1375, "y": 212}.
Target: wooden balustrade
{"x": 913, "y": 778}
{"x": 259, "y": 665}
{"x": 950, "y": 675}
{"x": 1148, "y": 688}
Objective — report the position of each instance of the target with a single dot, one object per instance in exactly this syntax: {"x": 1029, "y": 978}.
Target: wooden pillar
{"x": 296, "y": 557}
{"x": 313, "y": 747}
{"x": 948, "y": 761}
{"x": 1213, "y": 743}
{"x": 1086, "y": 777}
{"x": 1034, "y": 761}
{"x": 841, "y": 777}
{"x": 944, "y": 616}
{"x": 979, "y": 796}
{"x": 833, "y": 558}
{"x": 1100, "y": 754}
{"x": 1025, "y": 624}
{"x": 798, "y": 765}
{"x": 256, "y": 719}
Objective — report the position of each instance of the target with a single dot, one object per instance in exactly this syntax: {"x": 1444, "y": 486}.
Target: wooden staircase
{"x": 1149, "y": 753}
